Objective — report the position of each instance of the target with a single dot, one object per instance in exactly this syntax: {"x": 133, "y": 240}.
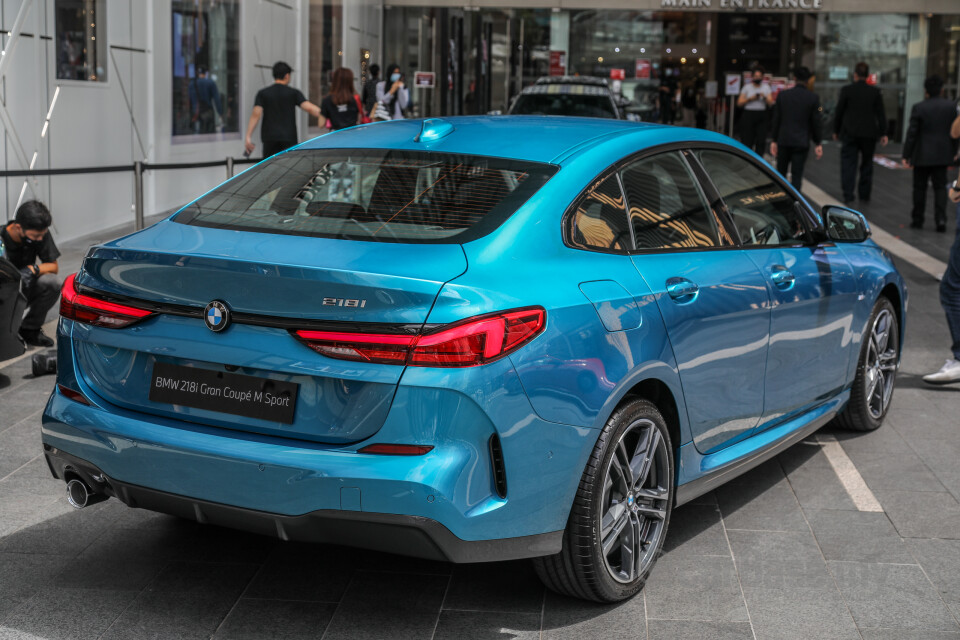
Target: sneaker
{"x": 949, "y": 372}
{"x": 35, "y": 338}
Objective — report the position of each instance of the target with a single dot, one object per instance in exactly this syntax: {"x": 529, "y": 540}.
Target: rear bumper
{"x": 408, "y": 535}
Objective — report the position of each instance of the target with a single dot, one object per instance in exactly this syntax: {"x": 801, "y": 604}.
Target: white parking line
{"x": 888, "y": 241}
{"x": 849, "y": 477}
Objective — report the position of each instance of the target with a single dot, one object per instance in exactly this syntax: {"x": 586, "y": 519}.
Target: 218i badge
{"x": 216, "y": 316}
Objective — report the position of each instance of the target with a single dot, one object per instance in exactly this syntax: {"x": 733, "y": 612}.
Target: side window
{"x": 666, "y": 207}
{"x": 600, "y": 221}
{"x": 762, "y": 210}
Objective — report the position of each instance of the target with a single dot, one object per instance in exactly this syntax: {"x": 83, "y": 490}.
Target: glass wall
{"x": 81, "y": 28}
{"x": 206, "y": 67}
{"x": 944, "y": 52}
{"x": 326, "y": 48}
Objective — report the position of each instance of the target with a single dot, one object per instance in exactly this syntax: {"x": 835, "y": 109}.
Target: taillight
{"x": 91, "y": 310}
{"x": 468, "y": 343}
{"x": 73, "y": 394}
{"x": 397, "y": 449}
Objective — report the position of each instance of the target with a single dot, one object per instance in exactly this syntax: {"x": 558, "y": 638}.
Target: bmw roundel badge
{"x": 216, "y": 315}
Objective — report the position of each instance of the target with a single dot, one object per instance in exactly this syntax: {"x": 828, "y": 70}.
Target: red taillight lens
{"x": 90, "y": 310}
{"x": 468, "y": 343}
{"x": 397, "y": 449}
{"x": 73, "y": 394}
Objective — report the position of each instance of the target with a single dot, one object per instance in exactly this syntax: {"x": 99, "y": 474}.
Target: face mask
{"x": 25, "y": 241}
{"x": 755, "y": 81}
{"x": 394, "y": 77}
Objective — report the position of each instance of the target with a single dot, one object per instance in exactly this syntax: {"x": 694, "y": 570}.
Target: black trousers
{"x": 938, "y": 177}
{"x": 272, "y": 147}
{"x": 851, "y": 150}
{"x": 793, "y": 158}
{"x": 41, "y": 294}
{"x": 753, "y": 130}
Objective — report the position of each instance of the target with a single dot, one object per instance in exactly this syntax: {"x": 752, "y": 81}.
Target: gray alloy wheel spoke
{"x": 612, "y": 527}
{"x": 882, "y": 362}
{"x": 629, "y": 550}
{"x": 639, "y": 544}
{"x": 623, "y": 461}
{"x": 652, "y": 493}
{"x": 652, "y": 512}
{"x": 646, "y": 458}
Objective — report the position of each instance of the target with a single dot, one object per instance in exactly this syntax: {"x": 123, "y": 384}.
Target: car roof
{"x": 551, "y": 139}
{"x": 555, "y": 88}
{"x": 591, "y": 80}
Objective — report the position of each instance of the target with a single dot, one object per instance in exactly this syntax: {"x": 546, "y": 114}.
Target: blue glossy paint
{"x": 743, "y": 360}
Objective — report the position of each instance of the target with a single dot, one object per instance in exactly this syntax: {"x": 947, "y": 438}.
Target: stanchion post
{"x": 138, "y": 195}
{"x": 229, "y": 167}
{"x": 733, "y": 105}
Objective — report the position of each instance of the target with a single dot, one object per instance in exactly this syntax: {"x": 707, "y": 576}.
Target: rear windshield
{"x": 565, "y": 100}
{"x": 379, "y": 195}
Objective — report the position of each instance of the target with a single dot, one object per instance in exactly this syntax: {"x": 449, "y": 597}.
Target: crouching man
{"x": 29, "y": 246}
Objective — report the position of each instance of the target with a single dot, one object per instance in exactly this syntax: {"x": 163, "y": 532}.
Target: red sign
{"x": 873, "y": 78}
{"x": 618, "y": 74}
{"x": 424, "y": 79}
{"x": 644, "y": 66}
{"x": 558, "y": 63}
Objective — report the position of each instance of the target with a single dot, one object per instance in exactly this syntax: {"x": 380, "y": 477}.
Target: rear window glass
{"x": 379, "y": 195}
{"x": 565, "y": 100}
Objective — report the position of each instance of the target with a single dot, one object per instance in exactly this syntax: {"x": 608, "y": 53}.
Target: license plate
{"x": 223, "y": 392}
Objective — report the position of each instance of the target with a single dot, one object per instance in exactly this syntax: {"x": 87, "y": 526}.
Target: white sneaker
{"x": 949, "y": 372}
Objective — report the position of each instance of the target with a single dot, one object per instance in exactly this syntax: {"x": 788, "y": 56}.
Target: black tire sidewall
{"x": 858, "y": 402}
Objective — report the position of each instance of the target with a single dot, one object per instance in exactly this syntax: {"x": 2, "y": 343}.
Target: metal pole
{"x": 138, "y": 195}
{"x": 732, "y": 106}
{"x": 229, "y": 167}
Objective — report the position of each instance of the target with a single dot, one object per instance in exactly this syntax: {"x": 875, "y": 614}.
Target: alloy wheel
{"x": 880, "y": 368}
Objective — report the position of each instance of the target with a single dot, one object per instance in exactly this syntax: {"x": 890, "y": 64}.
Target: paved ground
{"x": 781, "y": 552}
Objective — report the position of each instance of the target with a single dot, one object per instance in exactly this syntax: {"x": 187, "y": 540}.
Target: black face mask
{"x": 755, "y": 81}
{"x": 28, "y": 242}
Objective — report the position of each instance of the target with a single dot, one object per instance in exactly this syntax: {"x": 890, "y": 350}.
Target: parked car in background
{"x": 569, "y": 96}
{"x": 525, "y": 337}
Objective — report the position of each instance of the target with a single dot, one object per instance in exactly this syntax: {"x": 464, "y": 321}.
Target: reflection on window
{"x": 206, "y": 66}
{"x": 600, "y": 221}
{"x": 762, "y": 211}
{"x": 666, "y": 209}
{"x": 81, "y": 27}
{"x": 326, "y": 51}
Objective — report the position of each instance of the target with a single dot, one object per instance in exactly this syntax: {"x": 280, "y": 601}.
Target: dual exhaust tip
{"x": 80, "y": 495}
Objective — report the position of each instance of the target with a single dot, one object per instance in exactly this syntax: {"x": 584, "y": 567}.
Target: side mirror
{"x": 845, "y": 225}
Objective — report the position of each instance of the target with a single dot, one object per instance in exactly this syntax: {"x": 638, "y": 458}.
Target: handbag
{"x": 380, "y": 113}
{"x": 364, "y": 118}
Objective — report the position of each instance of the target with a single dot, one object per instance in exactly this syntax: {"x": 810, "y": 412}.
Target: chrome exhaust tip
{"x": 79, "y": 495}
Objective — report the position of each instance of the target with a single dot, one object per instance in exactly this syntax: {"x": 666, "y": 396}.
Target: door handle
{"x": 682, "y": 290}
{"x": 782, "y": 279}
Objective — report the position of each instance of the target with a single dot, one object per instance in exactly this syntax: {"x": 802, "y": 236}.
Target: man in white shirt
{"x": 755, "y": 98}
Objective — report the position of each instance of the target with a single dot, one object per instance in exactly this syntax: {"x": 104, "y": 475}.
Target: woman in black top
{"x": 342, "y": 107}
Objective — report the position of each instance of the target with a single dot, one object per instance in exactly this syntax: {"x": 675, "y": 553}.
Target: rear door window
{"x": 379, "y": 195}
{"x": 599, "y": 222}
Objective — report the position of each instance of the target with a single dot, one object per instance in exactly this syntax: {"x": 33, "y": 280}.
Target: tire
{"x": 876, "y": 371}
{"x": 601, "y": 513}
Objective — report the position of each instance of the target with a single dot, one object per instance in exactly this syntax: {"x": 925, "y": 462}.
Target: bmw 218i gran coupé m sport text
{"x": 472, "y": 339}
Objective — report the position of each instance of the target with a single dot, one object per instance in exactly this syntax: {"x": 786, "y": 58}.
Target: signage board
{"x": 644, "y": 68}
{"x": 618, "y": 74}
{"x": 710, "y": 89}
{"x": 558, "y": 63}
{"x": 424, "y": 79}
{"x": 873, "y": 78}
{"x": 733, "y": 84}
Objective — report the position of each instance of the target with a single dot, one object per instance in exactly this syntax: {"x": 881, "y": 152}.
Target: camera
{"x": 44, "y": 363}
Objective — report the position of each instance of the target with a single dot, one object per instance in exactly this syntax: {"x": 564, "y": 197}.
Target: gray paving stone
{"x": 66, "y": 614}
{"x": 891, "y": 596}
{"x": 779, "y": 560}
{"x": 799, "y": 614}
{"x": 388, "y": 605}
{"x": 253, "y": 619}
{"x": 311, "y": 580}
{"x": 761, "y": 500}
{"x": 686, "y": 629}
{"x": 495, "y": 586}
{"x": 24, "y": 575}
{"x": 940, "y": 560}
{"x": 886, "y": 439}
{"x": 860, "y": 536}
{"x": 907, "y": 634}
{"x": 697, "y": 529}
{"x": 690, "y": 587}
{"x": 68, "y": 534}
{"x": 483, "y": 625}
{"x": 922, "y": 514}
{"x": 571, "y": 619}
{"x": 900, "y": 471}
{"x": 812, "y": 478}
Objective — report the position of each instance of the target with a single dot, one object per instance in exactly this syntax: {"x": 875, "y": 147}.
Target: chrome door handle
{"x": 782, "y": 279}
{"x": 682, "y": 290}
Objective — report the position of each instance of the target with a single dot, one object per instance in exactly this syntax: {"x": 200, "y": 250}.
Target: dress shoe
{"x": 35, "y": 338}
{"x": 916, "y": 225}
{"x": 941, "y": 228}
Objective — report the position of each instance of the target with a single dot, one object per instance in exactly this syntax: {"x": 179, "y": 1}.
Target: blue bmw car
{"x": 472, "y": 339}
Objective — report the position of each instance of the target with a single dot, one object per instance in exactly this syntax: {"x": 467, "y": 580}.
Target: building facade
{"x": 92, "y": 83}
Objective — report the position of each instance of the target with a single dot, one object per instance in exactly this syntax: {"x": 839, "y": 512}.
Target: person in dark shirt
{"x": 204, "y": 98}
{"x": 26, "y": 241}
{"x": 929, "y": 150}
{"x": 858, "y": 123}
{"x": 368, "y": 96}
{"x": 342, "y": 107}
{"x": 797, "y": 120}
{"x": 277, "y": 105}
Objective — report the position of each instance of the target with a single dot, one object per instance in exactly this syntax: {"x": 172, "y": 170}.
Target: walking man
{"x": 205, "y": 103}
{"x": 950, "y": 291}
{"x": 26, "y": 242}
{"x": 859, "y": 122}
{"x": 796, "y": 121}
{"x": 755, "y": 98}
{"x": 929, "y": 150}
{"x": 277, "y": 105}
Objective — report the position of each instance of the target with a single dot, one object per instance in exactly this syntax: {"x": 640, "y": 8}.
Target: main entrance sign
{"x": 760, "y": 5}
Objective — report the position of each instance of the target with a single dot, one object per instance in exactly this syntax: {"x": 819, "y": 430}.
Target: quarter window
{"x": 762, "y": 210}
{"x": 600, "y": 221}
{"x": 666, "y": 208}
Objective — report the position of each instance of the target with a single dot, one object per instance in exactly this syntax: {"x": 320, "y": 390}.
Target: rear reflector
{"x": 76, "y": 396}
{"x": 397, "y": 449}
{"x": 99, "y": 313}
{"x": 467, "y": 343}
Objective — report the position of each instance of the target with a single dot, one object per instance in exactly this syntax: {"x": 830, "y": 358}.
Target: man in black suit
{"x": 797, "y": 119}
{"x": 858, "y": 123}
{"x": 929, "y": 149}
